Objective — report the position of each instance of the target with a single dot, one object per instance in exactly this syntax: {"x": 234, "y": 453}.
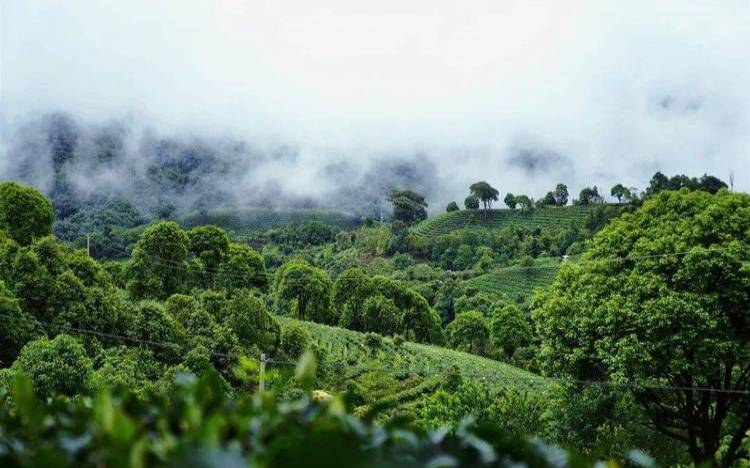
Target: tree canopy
{"x": 620, "y": 192}
{"x": 158, "y": 265}
{"x": 662, "y": 298}
{"x": 561, "y": 194}
{"x": 408, "y": 206}
{"x": 469, "y": 332}
{"x": 706, "y": 183}
{"x": 589, "y": 196}
{"x": 25, "y": 214}
{"x": 486, "y": 193}
{"x": 471, "y": 202}
{"x": 305, "y": 292}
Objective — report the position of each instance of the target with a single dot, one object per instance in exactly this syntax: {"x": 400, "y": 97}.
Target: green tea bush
{"x": 195, "y": 423}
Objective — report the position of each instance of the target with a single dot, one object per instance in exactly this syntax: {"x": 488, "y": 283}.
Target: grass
{"x": 396, "y": 377}
{"x": 548, "y": 217}
{"x": 517, "y": 281}
{"x": 259, "y": 219}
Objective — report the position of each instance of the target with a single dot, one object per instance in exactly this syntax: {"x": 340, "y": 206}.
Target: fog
{"x": 316, "y": 103}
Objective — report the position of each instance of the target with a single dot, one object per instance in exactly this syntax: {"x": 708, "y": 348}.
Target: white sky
{"x": 618, "y": 89}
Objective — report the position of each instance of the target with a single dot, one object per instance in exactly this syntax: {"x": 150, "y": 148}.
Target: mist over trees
{"x": 80, "y": 164}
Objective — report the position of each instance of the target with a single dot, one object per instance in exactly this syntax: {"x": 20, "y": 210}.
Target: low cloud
{"x": 296, "y": 103}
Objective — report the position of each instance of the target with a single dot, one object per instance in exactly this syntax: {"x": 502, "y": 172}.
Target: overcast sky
{"x": 521, "y": 93}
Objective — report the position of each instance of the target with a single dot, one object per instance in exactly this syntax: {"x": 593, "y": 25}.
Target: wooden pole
{"x": 262, "y": 384}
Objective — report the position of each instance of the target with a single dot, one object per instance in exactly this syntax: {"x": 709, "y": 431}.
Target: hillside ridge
{"x": 446, "y": 223}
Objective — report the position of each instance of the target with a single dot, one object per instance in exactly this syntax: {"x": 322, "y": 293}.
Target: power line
{"x": 433, "y": 372}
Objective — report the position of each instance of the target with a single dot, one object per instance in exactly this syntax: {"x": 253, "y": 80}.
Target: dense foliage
{"x": 662, "y": 297}
{"x": 197, "y": 425}
{"x": 413, "y": 324}
{"x": 24, "y": 213}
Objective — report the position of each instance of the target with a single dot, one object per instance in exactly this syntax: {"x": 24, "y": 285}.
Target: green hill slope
{"x": 394, "y": 378}
{"x": 253, "y": 219}
{"x": 514, "y": 281}
{"x": 474, "y": 219}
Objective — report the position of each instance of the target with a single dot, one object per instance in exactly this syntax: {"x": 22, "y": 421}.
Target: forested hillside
{"x": 590, "y": 327}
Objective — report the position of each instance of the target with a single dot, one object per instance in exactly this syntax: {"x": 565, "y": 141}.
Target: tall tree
{"x": 408, "y": 206}
{"x": 589, "y": 196}
{"x": 510, "y": 201}
{"x": 620, "y": 192}
{"x": 469, "y": 332}
{"x": 305, "y": 292}
{"x": 662, "y": 299}
{"x": 243, "y": 268}
{"x": 549, "y": 199}
{"x": 486, "y": 193}
{"x": 158, "y": 266}
{"x": 209, "y": 246}
{"x": 658, "y": 183}
{"x": 524, "y": 201}
{"x": 561, "y": 194}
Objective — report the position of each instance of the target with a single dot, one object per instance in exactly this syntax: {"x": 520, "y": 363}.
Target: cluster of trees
{"x": 482, "y": 191}
{"x": 659, "y": 300}
{"x": 167, "y": 260}
{"x": 706, "y": 183}
{"x": 408, "y": 207}
{"x": 385, "y": 306}
{"x": 501, "y": 336}
{"x": 483, "y": 250}
{"x": 107, "y": 227}
{"x": 194, "y": 293}
{"x": 355, "y": 301}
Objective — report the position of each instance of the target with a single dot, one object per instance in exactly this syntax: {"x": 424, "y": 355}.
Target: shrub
{"x": 452, "y": 379}
{"x": 373, "y": 341}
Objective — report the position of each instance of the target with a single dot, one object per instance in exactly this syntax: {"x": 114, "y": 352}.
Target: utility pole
{"x": 262, "y": 380}
{"x": 88, "y": 244}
